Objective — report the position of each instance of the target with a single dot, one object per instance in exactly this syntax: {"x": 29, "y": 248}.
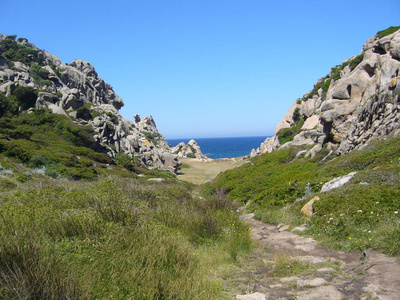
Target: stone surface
{"x": 255, "y": 296}
{"x": 191, "y": 150}
{"x": 322, "y": 293}
{"x": 376, "y": 278}
{"x": 308, "y": 208}
{"x": 311, "y": 282}
{"x": 337, "y": 182}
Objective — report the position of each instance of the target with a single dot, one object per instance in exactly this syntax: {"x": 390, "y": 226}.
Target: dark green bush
{"x": 17, "y": 52}
{"x": 390, "y": 30}
{"x": 25, "y": 97}
{"x": 124, "y": 160}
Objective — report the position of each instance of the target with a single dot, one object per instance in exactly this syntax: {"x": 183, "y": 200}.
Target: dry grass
{"x": 198, "y": 172}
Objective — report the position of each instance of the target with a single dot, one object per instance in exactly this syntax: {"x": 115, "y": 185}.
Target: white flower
{"x": 377, "y": 202}
{"x": 372, "y": 212}
{"x": 369, "y": 231}
{"x": 396, "y": 212}
{"x": 359, "y": 210}
{"x": 330, "y": 219}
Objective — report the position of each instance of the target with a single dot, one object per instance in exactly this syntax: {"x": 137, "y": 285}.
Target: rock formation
{"x": 357, "y": 102}
{"x": 191, "y": 150}
{"x": 76, "y": 91}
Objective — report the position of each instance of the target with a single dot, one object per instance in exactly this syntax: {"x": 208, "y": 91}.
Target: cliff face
{"x": 355, "y": 103}
{"x": 76, "y": 91}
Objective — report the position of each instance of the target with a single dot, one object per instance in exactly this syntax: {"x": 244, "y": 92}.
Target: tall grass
{"x": 115, "y": 239}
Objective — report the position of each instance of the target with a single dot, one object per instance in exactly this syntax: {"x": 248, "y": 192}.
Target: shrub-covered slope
{"x": 364, "y": 213}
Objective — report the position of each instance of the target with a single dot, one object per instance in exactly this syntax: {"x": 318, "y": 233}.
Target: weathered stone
{"x": 337, "y": 182}
{"x": 255, "y": 296}
{"x": 192, "y": 150}
{"x": 311, "y": 259}
{"x": 308, "y": 208}
{"x": 311, "y": 123}
{"x": 323, "y": 293}
{"x": 311, "y": 282}
{"x": 156, "y": 179}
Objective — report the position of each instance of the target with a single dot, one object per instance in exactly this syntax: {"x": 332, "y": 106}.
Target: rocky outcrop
{"x": 357, "y": 102}
{"x": 191, "y": 150}
{"x": 75, "y": 90}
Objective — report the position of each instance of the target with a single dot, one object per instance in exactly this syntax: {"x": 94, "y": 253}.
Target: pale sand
{"x": 199, "y": 172}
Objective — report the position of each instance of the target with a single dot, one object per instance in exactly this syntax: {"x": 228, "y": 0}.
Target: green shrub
{"x": 323, "y": 84}
{"x": 124, "y": 160}
{"x": 191, "y": 155}
{"x": 40, "y": 75}
{"x": 25, "y": 97}
{"x": 287, "y": 134}
{"x": 390, "y": 30}
{"x": 17, "y": 52}
{"x": 356, "y": 61}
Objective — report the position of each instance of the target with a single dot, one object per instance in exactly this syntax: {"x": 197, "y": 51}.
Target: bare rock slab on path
{"x": 337, "y": 275}
{"x": 255, "y": 296}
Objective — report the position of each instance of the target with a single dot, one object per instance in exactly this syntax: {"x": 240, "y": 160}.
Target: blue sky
{"x": 203, "y": 68}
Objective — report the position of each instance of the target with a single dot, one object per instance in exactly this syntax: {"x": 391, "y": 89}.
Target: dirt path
{"x": 288, "y": 266}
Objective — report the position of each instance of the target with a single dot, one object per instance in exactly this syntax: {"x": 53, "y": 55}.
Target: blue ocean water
{"x": 224, "y": 147}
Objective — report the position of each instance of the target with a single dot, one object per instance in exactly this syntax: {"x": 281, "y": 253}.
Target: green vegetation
{"x": 76, "y": 224}
{"x": 13, "y": 51}
{"x": 152, "y": 137}
{"x": 363, "y": 214}
{"x": 42, "y": 139}
{"x": 390, "y": 30}
{"x": 287, "y": 134}
{"x": 39, "y": 75}
{"x": 322, "y": 84}
{"x": 115, "y": 239}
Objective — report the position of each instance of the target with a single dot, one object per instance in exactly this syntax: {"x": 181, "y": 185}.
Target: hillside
{"x": 355, "y": 103}
{"x": 348, "y": 124}
{"x": 89, "y": 207}
{"x": 31, "y": 78}
{"x": 329, "y": 177}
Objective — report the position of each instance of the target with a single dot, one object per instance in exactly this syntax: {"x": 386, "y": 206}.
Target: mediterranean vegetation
{"x": 363, "y": 214}
{"x": 78, "y": 224}
{"x": 14, "y": 51}
{"x": 287, "y": 134}
{"x": 390, "y": 30}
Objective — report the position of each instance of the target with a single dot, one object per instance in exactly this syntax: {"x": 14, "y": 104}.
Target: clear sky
{"x": 203, "y": 68}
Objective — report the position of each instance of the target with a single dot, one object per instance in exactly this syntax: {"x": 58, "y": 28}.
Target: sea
{"x": 224, "y": 147}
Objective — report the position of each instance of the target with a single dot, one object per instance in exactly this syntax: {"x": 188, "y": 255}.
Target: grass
{"x": 364, "y": 214}
{"x": 114, "y": 238}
